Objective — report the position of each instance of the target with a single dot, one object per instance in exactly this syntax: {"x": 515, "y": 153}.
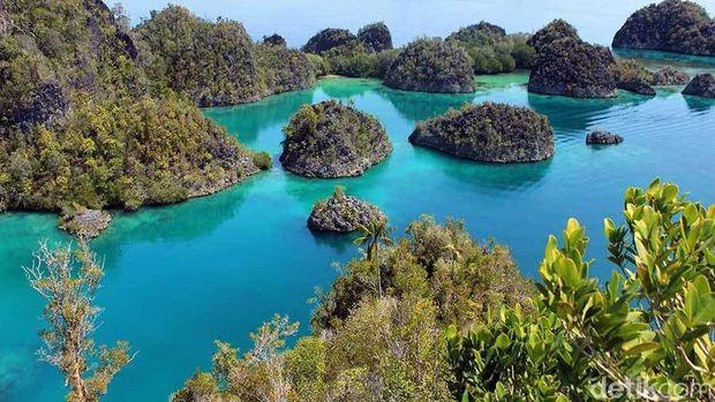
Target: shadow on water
{"x": 661, "y": 58}
{"x": 698, "y": 104}
{"x": 418, "y": 106}
{"x": 579, "y": 114}
{"x": 180, "y": 222}
{"x": 342, "y": 243}
{"x": 247, "y": 121}
{"x": 488, "y": 177}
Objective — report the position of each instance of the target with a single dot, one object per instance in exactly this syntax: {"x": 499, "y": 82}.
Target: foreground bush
{"x": 647, "y": 333}
{"x": 378, "y": 331}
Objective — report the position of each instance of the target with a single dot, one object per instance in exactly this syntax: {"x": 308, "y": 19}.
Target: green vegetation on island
{"x": 432, "y": 65}
{"x": 673, "y": 26}
{"x": 567, "y": 66}
{"x": 83, "y": 122}
{"x": 491, "y": 132}
{"x": 329, "y": 140}
{"x": 216, "y": 63}
{"x": 343, "y": 213}
{"x": 492, "y": 51}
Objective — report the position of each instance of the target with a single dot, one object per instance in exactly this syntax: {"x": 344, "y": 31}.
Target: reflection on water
{"x": 216, "y": 267}
{"x": 698, "y": 105}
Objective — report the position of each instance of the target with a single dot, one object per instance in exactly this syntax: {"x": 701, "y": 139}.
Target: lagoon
{"x": 178, "y": 277}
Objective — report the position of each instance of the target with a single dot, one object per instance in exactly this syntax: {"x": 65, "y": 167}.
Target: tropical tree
{"x": 374, "y": 235}
{"x": 646, "y": 335}
{"x": 68, "y": 279}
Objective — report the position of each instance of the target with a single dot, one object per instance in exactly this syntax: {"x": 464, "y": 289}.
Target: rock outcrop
{"x": 274, "y": 40}
{"x": 670, "y": 76}
{"x": 632, "y": 76}
{"x": 342, "y": 213}
{"x": 702, "y": 85}
{"x": 85, "y": 223}
{"x": 329, "y": 140}
{"x": 490, "y": 132}
{"x": 603, "y": 137}
{"x": 671, "y": 26}
{"x": 574, "y": 68}
{"x": 432, "y": 65}
{"x": 327, "y": 39}
{"x": 555, "y": 30}
{"x": 375, "y": 37}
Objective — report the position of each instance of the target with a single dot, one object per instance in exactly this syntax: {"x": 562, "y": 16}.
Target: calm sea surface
{"x": 179, "y": 277}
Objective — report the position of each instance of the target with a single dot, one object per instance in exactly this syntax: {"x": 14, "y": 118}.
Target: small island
{"x": 671, "y": 26}
{"x": 603, "y": 137}
{"x": 84, "y": 223}
{"x": 669, "y": 75}
{"x": 567, "y": 66}
{"x": 491, "y": 132}
{"x": 432, "y": 65}
{"x": 375, "y": 37}
{"x": 342, "y": 213}
{"x": 702, "y": 85}
{"x": 329, "y": 140}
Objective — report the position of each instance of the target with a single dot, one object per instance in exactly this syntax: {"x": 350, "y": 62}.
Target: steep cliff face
{"x": 672, "y": 26}
{"x": 491, "y": 132}
{"x": 375, "y": 37}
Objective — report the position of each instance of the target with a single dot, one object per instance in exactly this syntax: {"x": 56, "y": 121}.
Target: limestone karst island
{"x": 357, "y": 201}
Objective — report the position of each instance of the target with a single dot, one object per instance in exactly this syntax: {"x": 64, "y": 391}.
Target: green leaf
{"x": 503, "y": 341}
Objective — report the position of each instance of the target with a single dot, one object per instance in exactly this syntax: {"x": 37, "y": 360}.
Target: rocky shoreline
{"x": 702, "y": 85}
{"x": 491, "y": 132}
{"x": 342, "y": 213}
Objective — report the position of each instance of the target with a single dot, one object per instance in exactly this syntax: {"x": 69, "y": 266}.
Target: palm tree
{"x": 374, "y": 235}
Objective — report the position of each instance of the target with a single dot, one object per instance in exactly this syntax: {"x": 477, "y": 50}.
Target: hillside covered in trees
{"x": 83, "y": 121}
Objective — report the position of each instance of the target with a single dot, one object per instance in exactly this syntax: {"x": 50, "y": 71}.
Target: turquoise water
{"x": 179, "y": 277}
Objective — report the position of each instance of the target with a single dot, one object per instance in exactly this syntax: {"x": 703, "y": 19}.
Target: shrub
{"x": 262, "y": 160}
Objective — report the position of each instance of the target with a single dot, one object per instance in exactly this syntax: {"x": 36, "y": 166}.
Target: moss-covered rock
{"x": 330, "y": 140}
{"x": 669, "y": 75}
{"x": 702, "y": 85}
{"x": 376, "y": 37}
{"x": 671, "y": 26}
{"x": 490, "y": 132}
{"x": 603, "y": 137}
{"x": 555, "y": 30}
{"x": 432, "y": 65}
{"x": 342, "y": 213}
{"x": 571, "y": 67}
{"x": 328, "y": 39}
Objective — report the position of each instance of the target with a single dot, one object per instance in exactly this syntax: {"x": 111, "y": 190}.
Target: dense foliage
{"x": 673, "y": 25}
{"x": 343, "y": 213}
{"x": 330, "y": 139}
{"x": 632, "y": 75}
{"x": 492, "y": 51}
{"x": 491, "y": 132}
{"x": 81, "y": 122}
{"x": 645, "y": 335}
{"x": 217, "y": 63}
{"x": 432, "y": 65}
{"x": 327, "y": 39}
{"x": 571, "y": 67}
{"x": 553, "y": 31}
{"x": 376, "y": 37}
{"x": 378, "y": 331}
